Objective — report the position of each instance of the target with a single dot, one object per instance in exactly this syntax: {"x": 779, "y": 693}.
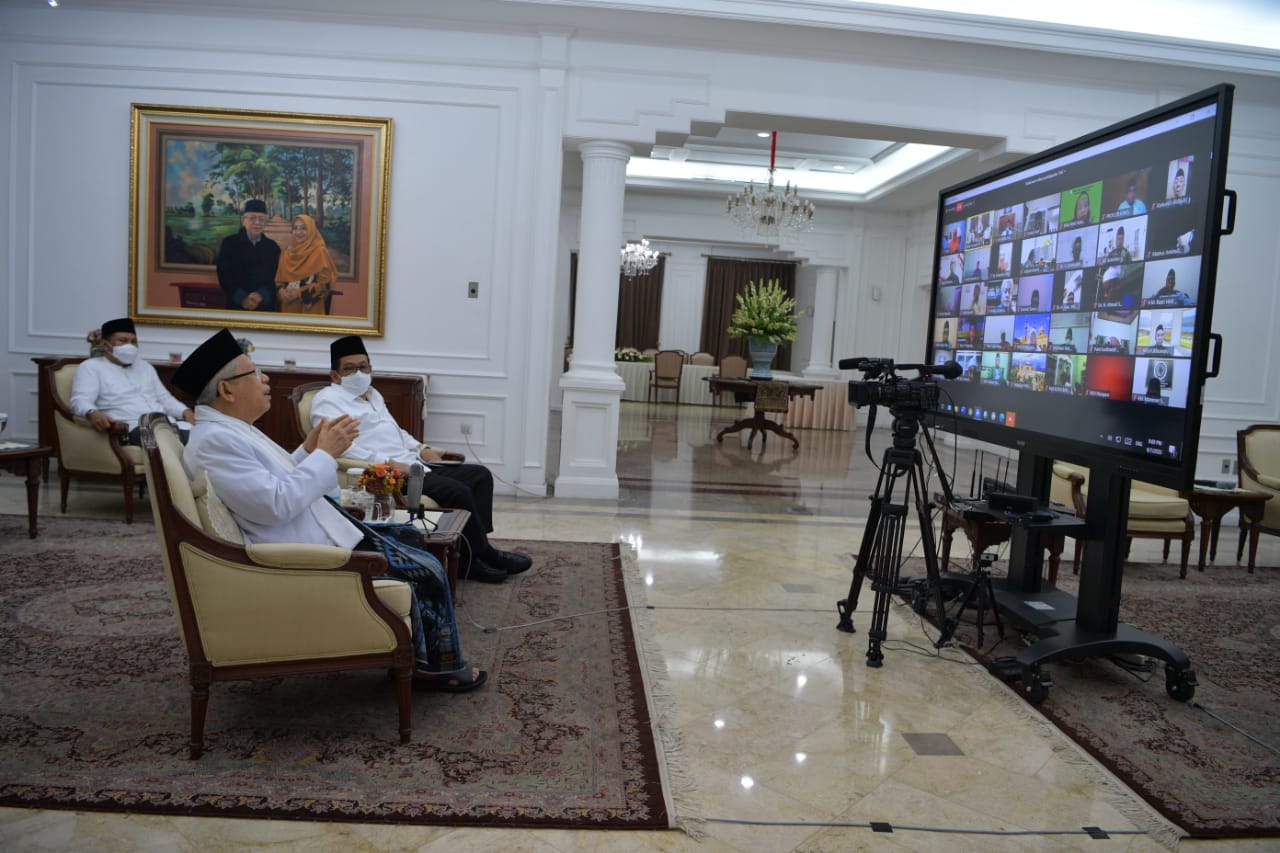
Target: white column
{"x": 592, "y": 388}
{"x": 824, "y": 317}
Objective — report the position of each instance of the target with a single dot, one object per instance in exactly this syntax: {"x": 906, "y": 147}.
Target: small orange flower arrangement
{"x": 380, "y": 479}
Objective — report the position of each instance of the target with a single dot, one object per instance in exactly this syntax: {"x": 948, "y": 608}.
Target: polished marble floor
{"x": 793, "y": 743}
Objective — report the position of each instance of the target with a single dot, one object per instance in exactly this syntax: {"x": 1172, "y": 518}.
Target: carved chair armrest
{"x": 277, "y": 555}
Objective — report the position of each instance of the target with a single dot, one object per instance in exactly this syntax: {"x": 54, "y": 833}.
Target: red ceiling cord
{"x": 773, "y": 151}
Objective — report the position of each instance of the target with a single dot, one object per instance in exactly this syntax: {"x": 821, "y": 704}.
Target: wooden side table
{"x": 744, "y": 390}
{"x": 1211, "y": 504}
{"x": 16, "y": 456}
{"x": 445, "y": 536}
{"x": 984, "y": 533}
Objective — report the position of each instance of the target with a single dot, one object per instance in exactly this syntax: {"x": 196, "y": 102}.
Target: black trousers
{"x": 468, "y": 487}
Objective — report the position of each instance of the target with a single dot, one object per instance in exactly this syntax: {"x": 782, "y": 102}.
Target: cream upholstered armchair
{"x": 1258, "y": 464}
{"x": 302, "y": 397}
{"x": 1154, "y": 511}
{"x": 84, "y": 452}
{"x": 240, "y": 607}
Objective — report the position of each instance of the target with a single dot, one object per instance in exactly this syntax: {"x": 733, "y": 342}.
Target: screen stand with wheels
{"x": 1088, "y": 626}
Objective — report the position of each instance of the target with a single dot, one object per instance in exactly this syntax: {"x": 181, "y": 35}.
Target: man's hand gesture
{"x": 333, "y": 436}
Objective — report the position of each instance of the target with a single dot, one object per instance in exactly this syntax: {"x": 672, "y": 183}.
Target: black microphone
{"x": 947, "y": 370}
{"x": 414, "y": 495}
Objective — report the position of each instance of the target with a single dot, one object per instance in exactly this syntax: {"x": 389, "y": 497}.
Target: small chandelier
{"x": 638, "y": 259}
{"x": 770, "y": 213}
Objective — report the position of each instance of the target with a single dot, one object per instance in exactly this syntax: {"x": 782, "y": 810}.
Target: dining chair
{"x": 668, "y": 366}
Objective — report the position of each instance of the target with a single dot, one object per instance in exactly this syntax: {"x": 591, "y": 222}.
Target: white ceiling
{"x": 1222, "y": 34}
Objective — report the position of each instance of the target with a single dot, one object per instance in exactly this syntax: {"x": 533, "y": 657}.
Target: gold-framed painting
{"x": 208, "y": 186}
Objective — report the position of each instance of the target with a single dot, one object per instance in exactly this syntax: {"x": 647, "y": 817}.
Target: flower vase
{"x": 384, "y": 507}
{"x": 762, "y": 352}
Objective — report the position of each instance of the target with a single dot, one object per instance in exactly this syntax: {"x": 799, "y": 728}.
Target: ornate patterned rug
{"x": 94, "y": 706}
{"x": 1211, "y": 765}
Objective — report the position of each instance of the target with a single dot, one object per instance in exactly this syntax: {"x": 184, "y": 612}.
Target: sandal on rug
{"x": 449, "y": 683}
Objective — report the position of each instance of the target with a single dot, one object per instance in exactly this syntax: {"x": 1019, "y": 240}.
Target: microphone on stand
{"x": 414, "y": 493}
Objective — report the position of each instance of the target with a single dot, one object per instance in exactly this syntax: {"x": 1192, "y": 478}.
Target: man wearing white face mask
{"x": 452, "y": 485}
{"x": 118, "y": 388}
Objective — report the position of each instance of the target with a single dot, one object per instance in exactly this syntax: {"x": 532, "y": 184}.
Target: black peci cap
{"x": 203, "y": 364}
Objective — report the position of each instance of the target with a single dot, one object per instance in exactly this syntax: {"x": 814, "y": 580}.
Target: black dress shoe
{"x": 509, "y": 561}
{"x": 483, "y": 572}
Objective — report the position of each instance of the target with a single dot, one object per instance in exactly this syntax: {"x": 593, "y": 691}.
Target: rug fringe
{"x": 678, "y": 784}
{"x": 1118, "y": 795}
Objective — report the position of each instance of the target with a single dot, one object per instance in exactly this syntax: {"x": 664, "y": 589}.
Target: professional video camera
{"x": 883, "y": 387}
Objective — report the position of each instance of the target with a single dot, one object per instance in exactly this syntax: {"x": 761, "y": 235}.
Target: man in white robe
{"x": 450, "y": 484}
{"x": 116, "y": 388}
{"x": 277, "y": 496}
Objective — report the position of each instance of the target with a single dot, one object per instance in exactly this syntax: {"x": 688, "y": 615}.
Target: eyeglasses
{"x": 256, "y": 371}
{"x": 348, "y": 369}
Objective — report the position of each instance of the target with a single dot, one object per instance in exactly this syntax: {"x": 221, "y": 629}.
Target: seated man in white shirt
{"x": 116, "y": 388}
{"x": 277, "y": 496}
{"x": 456, "y": 486}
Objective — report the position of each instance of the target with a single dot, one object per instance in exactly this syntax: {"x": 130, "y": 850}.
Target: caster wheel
{"x": 1180, "y": 686}
{"x": 1035, "y": 686}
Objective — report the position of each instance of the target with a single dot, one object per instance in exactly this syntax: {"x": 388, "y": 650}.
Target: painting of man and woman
{"x": 268, "y": 220}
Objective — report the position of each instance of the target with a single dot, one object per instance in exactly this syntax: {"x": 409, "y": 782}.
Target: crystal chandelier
{"x": 638, "y": 259}
{"x": 771, "y": 213}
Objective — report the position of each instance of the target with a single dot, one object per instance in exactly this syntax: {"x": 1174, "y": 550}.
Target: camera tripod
{"x": 880, "y": 553}
{"x": 981, "y": 597}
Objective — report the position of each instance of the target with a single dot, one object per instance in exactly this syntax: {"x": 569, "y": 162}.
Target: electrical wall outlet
{"x": 1226, "y": 466}
{"x": 466, "y": 429}
{"x": 473, "y": 290}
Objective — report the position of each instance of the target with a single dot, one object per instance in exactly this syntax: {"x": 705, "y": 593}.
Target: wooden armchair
{"x": 84, "y": 452}
{"x": 704, "y": 358}
{"x": 1258, "y": 469}
{"x": 668, "y": 367}
{"x": 271, "y": 610}
{"x": 1154, "y": 511}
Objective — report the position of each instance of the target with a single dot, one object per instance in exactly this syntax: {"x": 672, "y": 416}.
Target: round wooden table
{"x": 1211, "y": 504}
{"x": 14, "y": 456}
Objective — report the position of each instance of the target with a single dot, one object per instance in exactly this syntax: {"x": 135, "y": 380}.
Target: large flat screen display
{"x": 1075, "y": 290}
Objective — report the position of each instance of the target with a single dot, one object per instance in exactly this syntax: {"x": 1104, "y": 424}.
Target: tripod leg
{"x": 846, "y": 606}
{"x": 887, "y": 559}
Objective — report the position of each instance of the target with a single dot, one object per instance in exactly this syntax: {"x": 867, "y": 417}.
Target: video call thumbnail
{"x": 1166, "y": 331}
{"x": 1064, "y": 374}
{"x": 969, "y": 332}
{"x": 1173, "y": 233}
{"x": 1081, "y": 206}
{"x": 1123, "y": 241}
{"x": 1041, "y": 216}
{"x": 1035, "y": 293}
{"x": 1077, "y": 248}
{"x": 1109, "y": 376}
{"x": 950, "y": 268}
{"x": 978, "y": 230}
{"x": 1069, "y": 333}
{"x": 994, "y": 369}
{"x": 1031, "y": 332}
{"x": 1027, "y": 371}
{"x": 1038, "y": 254}
{"x": 949, "y": 300}
{"x": 998, "y": 333}
{"x": 1009, "y": 223}
{"x": 1073, "y": 290}
{"x": 1162, "y": 381}
{"x": 1170, "y": 283}
{"x": 976, "y": 303}
{"x": 1119, "y": 286}
{"x": 1114, "y": 332}
{"x": 976, "y": 265}
{"x": 1126, "y": 195}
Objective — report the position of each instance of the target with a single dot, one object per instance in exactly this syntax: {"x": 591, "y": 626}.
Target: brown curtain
{"x": 726, "y": 277}
{"x": 639, "y": 305}
{"x": 640, "y": 308}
